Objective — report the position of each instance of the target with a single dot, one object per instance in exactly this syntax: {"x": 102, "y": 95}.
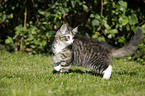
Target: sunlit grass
{"x": 33, "y": 75}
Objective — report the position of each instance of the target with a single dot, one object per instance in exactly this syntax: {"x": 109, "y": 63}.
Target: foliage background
{"x": 30, "y": 25}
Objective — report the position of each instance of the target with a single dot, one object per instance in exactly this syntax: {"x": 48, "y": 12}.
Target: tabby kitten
{"x": 62, "y": 48}
{"x": 97, "y": 56}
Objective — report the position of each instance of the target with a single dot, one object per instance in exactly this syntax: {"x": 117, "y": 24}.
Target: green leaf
{"x": 97, "y": 16}
{"x": 133, "y": 28}
{"x": 66, "y": 10}
{"x": 85, "y": 7}
{"x": 143, "y": 26}
{"x": 43, "y": 43}
{"x": 121, "y": 39}
{"x": 114, "y": 31}
{"x": 31, "y": 37}
{"x": 9, "y": 40}
{"x": 63, "y": 11}
{"x": 104, "y": 22}
{"x": 111, "y": 32}
{"x": 96, "y": 35}
{"x": 127, "y": 27}
{"x": 92, "y": 15}
{"x": 33, "y": 46}
{"x": 122, "y": 3}
{"x": 4, "y": 17}
{"x": 73, "y": 3}
{"x": 123, "y": 20}
{"x": 133, "y": 19}
{"x": 110, "y": 36}
{"x": 95, "y": 22}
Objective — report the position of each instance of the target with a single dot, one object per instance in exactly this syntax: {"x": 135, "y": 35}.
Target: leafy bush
{"x": 117, "y": 24}
{"x": 112, "y": 21}
{"x": 30, "y": 39}
{"x": 116, "y": 19}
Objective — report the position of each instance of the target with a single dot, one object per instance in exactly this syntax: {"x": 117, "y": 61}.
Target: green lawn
{"x": 32, "y": 75}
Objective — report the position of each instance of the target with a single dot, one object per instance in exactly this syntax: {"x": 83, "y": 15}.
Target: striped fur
{"x": 97, "y": 56}
{"x": 61, "y": 48}
{"x": 89, "y": 53}
{"x": 129, "y": 48}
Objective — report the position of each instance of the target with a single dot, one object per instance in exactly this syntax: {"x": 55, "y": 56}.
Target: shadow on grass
{"x": 77, "y": 71}
{"x": 93, "y": 73}
{"x": 70, "y": 71}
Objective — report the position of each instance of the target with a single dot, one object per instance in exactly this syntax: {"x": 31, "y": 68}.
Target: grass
{"x": 32, "y": 75}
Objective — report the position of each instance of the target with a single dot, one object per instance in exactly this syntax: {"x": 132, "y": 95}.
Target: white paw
{"x": 57, "y": 68}
{"x": 107, "y": 72}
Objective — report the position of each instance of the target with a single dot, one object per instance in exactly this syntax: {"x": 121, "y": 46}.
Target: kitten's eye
{"x": 61, "y": 37}
{"x": 67, "y": 38}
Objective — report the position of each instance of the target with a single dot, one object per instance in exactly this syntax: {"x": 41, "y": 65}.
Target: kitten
{"x": 97, "y": 56}
{"x": 61, "y": 48}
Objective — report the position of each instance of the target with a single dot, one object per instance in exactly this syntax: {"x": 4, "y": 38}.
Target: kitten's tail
{"x": 129, "y": 48}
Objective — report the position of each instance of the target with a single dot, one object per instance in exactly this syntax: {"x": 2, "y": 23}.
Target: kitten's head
{"x": 66, "y": 36}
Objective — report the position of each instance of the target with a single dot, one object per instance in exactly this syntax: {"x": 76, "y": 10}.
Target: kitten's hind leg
{"x": 107, "y": 72}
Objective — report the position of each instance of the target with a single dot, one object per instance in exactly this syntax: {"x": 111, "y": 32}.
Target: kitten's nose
{"x": 72, "y": 41}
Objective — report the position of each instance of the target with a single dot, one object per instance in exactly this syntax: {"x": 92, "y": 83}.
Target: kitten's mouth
{"x": 72, "y": 41}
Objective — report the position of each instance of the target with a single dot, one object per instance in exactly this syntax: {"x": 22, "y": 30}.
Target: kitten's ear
{"x": 63, "y": 28}
{"x": 75, "y": 30}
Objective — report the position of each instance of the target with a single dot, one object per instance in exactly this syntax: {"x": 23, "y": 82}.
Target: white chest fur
{"x": 59, "y": 46}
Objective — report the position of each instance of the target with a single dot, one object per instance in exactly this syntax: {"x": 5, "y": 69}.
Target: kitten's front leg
{"x": 64, "y": 67}
{"x": 57, "y": 68}
{"x": 55, "y": 63}
{"x": 61, "y": 69}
